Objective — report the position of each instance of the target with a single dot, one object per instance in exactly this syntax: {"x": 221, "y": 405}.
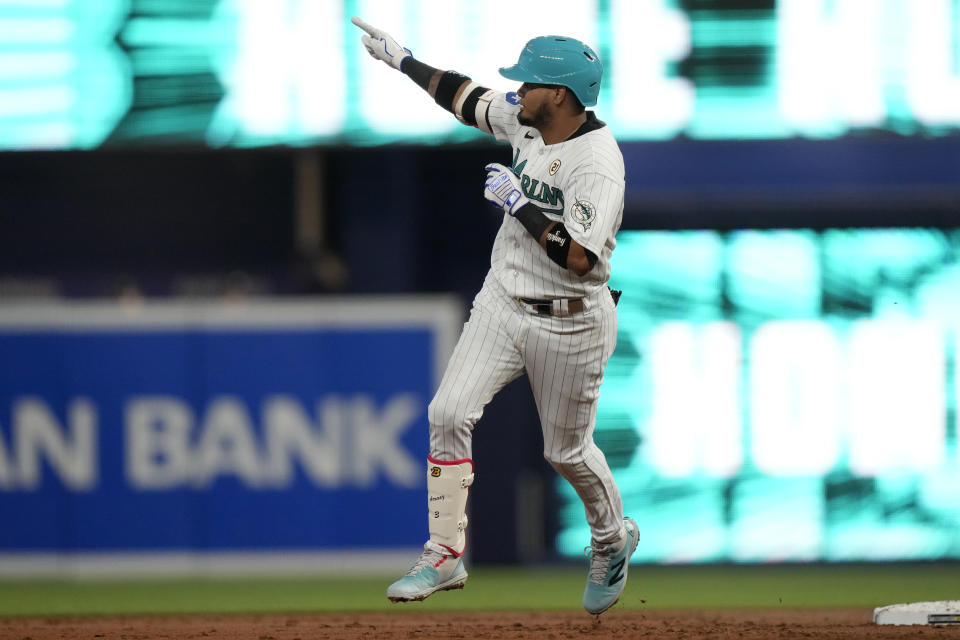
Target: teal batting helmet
{"x": 559, "y": 60}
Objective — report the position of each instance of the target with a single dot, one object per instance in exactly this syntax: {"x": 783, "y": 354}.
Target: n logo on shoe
{"x": 617, "y": 573}
{"x": 435, "y": 472}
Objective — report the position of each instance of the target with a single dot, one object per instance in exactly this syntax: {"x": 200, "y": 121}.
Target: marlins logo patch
{"x": 513, "y": 98}
{"x": 583, "y": 213}
{"x": 554, "y": 167}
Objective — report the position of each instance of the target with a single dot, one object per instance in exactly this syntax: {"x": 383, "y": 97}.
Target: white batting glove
{"x": 503, "y": 188}
{"x": 381, "y": 44}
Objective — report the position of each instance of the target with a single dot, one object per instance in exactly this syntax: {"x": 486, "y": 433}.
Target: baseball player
{"x": 544, "y": 308}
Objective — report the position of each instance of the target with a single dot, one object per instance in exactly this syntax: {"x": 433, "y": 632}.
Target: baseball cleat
{"x": 436, "y": 570}
{"x": 607, "y": 575}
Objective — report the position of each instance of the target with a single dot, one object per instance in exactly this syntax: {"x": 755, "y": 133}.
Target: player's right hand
{"x": 381, "y": 44}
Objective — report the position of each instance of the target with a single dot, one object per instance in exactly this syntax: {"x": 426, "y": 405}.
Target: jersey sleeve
{"x": 593, "y": 209}
{"x": 497, "y": 114}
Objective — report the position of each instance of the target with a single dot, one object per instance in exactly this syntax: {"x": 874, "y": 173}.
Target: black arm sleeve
{"x": 533, "y": 220}
{"x": 419, "y": 72}
{"x": 558, "y": 244}
{"x": 558, "y": 240}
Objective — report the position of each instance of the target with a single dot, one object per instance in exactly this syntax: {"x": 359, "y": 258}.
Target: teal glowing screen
{"x": 79, "y": 74}
{"x": 784, "y": 395}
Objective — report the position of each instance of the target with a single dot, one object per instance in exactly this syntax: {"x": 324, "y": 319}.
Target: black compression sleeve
{"x": 419, "y": 72}
{"x": 558, "y": 240}
{"x": 530, "y": 216}
{"x": 558, "y": 244}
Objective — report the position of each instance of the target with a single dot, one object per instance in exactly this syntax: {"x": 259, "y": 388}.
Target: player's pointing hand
{"x": 381, "y": 44}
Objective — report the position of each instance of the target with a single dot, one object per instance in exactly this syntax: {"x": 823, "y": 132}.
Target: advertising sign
{"x": 211, "y": 427}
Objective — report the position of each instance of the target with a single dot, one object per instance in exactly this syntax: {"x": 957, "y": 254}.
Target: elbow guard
{"x": 465, "y": 107}
{"x": 447, "y": 88}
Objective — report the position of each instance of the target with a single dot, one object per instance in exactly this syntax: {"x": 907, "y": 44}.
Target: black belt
{"x": 561, "y": 307}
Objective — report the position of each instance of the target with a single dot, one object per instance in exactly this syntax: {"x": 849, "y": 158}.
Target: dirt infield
{"x": 654, "y": 625}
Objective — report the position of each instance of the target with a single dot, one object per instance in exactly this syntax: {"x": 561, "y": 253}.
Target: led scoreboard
{"x": 79, "y": 74}
{"x": 783, "y": 395}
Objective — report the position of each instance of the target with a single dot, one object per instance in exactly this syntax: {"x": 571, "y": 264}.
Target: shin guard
{"x": 448, "y": 484}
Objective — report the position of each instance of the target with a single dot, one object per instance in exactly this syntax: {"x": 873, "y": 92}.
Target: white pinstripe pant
{"x": 564, "y": 358}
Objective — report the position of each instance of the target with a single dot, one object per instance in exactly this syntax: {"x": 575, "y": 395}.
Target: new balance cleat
{"x": 607, "y": 575}
{"x": 436, "y": 570}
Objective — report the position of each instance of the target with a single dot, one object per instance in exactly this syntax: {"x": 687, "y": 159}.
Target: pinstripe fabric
{"x": 587, "y": 169}
{"x": 563, "y": 357}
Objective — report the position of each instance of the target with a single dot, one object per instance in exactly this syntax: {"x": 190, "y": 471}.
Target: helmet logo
{"x": 583, "y": 213}
{"x": 554, "y": 167}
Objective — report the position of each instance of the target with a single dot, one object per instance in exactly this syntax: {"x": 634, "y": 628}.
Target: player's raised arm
{"x": 453, "y": 91}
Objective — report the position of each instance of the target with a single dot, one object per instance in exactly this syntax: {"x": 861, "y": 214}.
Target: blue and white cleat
{"x": 607, "y": 575}
{"x": 436, "y": 570}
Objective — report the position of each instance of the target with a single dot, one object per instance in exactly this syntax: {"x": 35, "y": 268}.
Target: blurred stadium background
{"x": 234, "y": 253}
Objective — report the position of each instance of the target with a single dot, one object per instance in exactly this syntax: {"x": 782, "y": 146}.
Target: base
{"x": 939, "y": 612}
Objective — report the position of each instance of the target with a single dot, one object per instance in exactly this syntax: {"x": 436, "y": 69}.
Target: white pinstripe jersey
{"x": 579, "y": 181}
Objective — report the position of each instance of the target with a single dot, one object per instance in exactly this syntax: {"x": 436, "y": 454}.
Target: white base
{"x": 939, "y": 612}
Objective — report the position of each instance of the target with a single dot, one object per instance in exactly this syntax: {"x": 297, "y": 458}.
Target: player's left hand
{"x": 503, "y": 188}
{"x": 381, "y": 44}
